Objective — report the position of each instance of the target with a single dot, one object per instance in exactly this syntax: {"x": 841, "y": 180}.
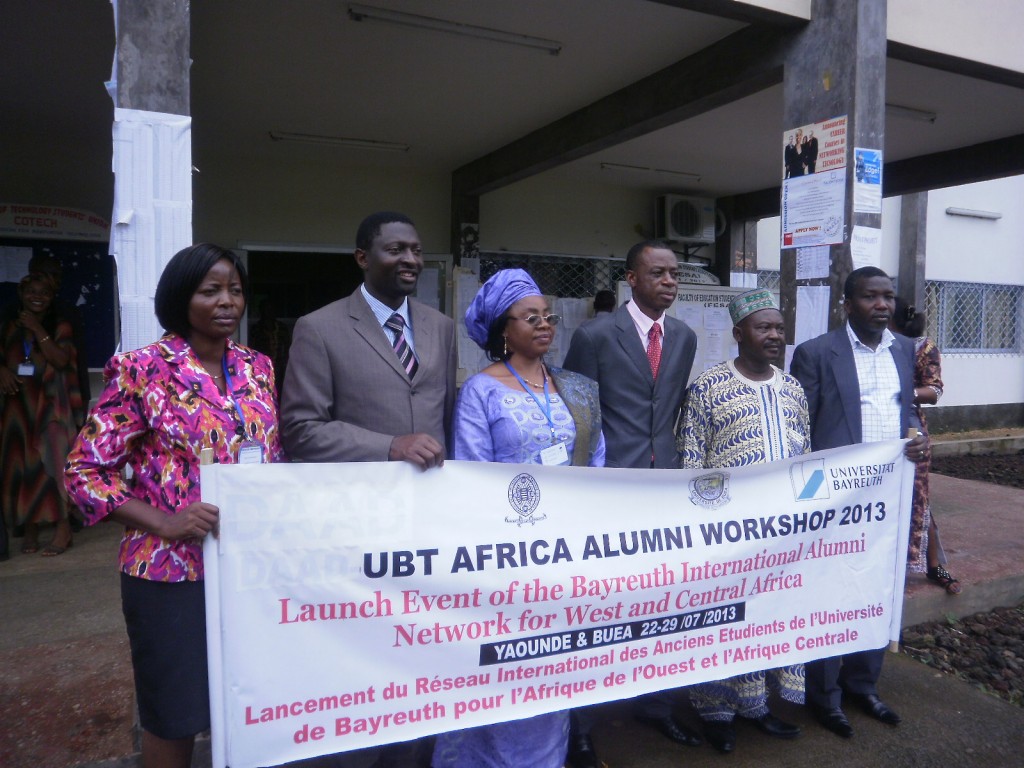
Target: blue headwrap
{"x": 504, "y": 289}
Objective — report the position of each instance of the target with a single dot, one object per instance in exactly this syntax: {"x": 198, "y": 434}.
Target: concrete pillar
{"x": 913, "y": 244}
{"x": 152, "y": 157}
{"x": 153, "y": 56}
{"x": 836, "y": 67}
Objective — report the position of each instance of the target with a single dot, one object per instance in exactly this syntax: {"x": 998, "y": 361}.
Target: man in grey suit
{"x": 371, "y": 377}
{"x": 640, "y": 358}
{"x": 859, "y": 382}
{"x": 348, "y": 394}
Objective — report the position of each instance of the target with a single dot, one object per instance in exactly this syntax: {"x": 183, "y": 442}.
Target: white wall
{"x": 977, "y": 250}
{"x": 548, "y": 213}
{"x": 988, "y": 31}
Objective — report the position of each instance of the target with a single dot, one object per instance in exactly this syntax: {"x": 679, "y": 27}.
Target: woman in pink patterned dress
{"x": 194, "y": 390}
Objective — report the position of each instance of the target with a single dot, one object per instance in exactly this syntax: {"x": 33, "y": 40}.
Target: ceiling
{"x": 306, "y": 67}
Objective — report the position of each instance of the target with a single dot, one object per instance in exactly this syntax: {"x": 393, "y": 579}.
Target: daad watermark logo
{"x": 808, "y": 479}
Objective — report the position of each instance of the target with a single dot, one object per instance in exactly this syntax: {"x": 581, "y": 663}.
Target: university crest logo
{"x": 710, "y": 491}
{"x": 808, "y": 480}
{"x": 524, "y": 498}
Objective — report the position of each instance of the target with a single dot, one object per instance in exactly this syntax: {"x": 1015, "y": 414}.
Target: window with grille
{"x": 571, "y": 277}
{"x": 770, "y": 279}
{"x": 975, "y": 318}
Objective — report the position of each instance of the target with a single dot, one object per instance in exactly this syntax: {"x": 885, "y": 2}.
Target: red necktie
{"x": 654, "y": 348}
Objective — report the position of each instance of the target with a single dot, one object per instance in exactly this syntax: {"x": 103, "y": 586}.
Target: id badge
{"x": 250, "y": 453}
{"x": 554, "y": 455}
{"x": 26, "y": 369}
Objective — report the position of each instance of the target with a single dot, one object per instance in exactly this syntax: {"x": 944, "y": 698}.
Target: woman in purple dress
{"x": 519, "y": 411}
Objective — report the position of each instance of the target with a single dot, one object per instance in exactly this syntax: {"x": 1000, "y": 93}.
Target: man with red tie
{"x": 640, "y": 356}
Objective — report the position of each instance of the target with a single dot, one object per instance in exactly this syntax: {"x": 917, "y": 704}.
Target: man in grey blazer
{"x": 362, "y": 387}
{"x": 348, "y": 394}
{"x": 859, "y": 382}
{"x": 640, "y": 402}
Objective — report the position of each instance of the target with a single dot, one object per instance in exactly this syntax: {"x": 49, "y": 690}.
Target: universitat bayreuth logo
{"x": 710, "y": 491}
{"x": 524, "y": 497}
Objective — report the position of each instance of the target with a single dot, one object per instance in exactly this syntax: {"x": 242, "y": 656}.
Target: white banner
{"x": 358, "y": 604}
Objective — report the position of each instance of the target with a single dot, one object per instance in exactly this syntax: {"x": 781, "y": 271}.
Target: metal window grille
{"x": 770, "y": 279}
{"x": 571, "y": 277}
{"x": 975, "y": 318}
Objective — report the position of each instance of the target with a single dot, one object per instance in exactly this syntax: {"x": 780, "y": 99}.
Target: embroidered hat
{"x": 504, "y": 289}
{"x": 749, "y": 302}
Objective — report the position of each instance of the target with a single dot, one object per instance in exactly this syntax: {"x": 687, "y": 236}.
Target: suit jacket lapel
{"x": 630, "y": 342}
{"x": 424, "y": 333}
{"x": 366, "y": 325}
{"x": 847, "y": 383}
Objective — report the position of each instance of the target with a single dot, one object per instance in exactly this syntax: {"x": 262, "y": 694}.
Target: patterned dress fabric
{"x": 927, "y": 373}
{"x": 39, "y": 423}
{"x": 495, "y": 423}
{"x": 731, "y": 421}
{"x": 158, "y": 410}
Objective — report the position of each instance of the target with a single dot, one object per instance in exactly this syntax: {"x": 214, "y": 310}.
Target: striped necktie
{"x": 406, "y": 358}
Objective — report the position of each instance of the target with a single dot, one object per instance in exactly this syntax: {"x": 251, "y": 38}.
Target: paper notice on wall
{"x": 811, "y": 312}
{"x": 692, "y": 315}
{"x": 717, "y": 318}
{"x": 812, "y": 262}
{"x": 743, "y": 279}
{"x": 14, "y": 263}
{"x": 866, "y": 247}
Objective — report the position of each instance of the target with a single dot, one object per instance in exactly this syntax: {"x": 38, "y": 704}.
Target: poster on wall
{"x": 814, "y": 184}
{"x": 867, "y": 180}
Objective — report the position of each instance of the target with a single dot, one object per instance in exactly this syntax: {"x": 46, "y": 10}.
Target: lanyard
{"x": 27, "y": 346}
{"x": 229, "y": 389}
{"x": 546, "y": 407}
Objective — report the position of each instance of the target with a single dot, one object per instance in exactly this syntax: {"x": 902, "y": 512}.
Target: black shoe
{"x": 581, "y": 752}
{"x": 721, "y": 734}
{"x": 671, "y": 730}
{"x": 877, "y": 708}
{"x": 780, "y": 729}
{"x": 834, "y": 720}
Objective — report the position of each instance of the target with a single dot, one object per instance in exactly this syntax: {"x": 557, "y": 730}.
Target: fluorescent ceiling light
{"x": 624, "y": 167}
{"x": 971, "y": 213}
{"x": 339, "y": 141}
{"x": 921, "y": 115}
{"x": 369, "y": 13}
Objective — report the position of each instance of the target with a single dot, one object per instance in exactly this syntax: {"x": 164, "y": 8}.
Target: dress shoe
{"x": 780, "y": 729}
{"x": 877, "y": 708}
{"x": 671, "y": 730}
{"x": 834, "y": 720}
{"x": 581, "y": 752}
{"x": 721, "y": 734}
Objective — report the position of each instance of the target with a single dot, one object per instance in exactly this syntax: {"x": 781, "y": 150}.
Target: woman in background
{"x": 925, "y": 551}
{"x": 519, "y": 411}
{"x": 41, "y": 410}
{"x": 163, "y": 406}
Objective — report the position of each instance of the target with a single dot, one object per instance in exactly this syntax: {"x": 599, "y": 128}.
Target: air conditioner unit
{"x": 689, "y": 220}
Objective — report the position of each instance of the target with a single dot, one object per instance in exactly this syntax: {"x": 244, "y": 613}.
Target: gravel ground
{"x": 986, "y": 649}
{"x": 1004, "y": 469}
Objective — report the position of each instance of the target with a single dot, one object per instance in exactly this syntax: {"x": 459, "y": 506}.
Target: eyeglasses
{"x": 535, "y": 320}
